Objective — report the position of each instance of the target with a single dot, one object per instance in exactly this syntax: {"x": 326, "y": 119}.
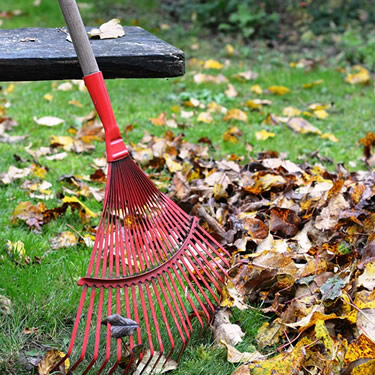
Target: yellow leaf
{"x": 267, "y": 335}
{"x": 85, "y": 208}
{"x": 172, "y": 165}
{"x": 362, "y": 76}
{"x": 329, "y": 136}
{"x": 205, "y": 117}
{"x": 263, "y": 135}
{"x": 253, "y": 104}
{"x": 75, "y": 103}
{"x": 291, "y": 111}
{"x": 278, "y": 90}
{"x": 318, "y": 106}
{"x": 365, "y": 300}
{"x": 300, "y": 125}
{"x": 321, "y": 332}
{"x": 38, "y": 171}
{"x": 235, "y": 114}
{"x": 229, "y": 49}
{"x": 48, "y": 97}
{"x": 320, "y": 114}
{"x": 175, "y": 108}
{"x": 16, "y": 249}
{"x": 232, "y": 134}
{"x": 284, "y": 363}
{"x": 367, "y": 368}
{"x": 9, "y": 89}
{"x": 256, "y": 89}
{"x": 362, "y": 347}
{"x": 212, "y": 64}
{"x": 50, "y": 360}
{"x": 65, "y": 141}
{"x": 312, "y": 84}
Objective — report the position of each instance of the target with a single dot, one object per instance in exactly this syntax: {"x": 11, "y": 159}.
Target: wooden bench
{"x": 35, "y": 54}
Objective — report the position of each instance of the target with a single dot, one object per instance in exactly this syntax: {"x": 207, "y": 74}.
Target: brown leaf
{"x": 300, "y": 125}
{"x": 50, "y": 360}
{"x": 64, "y": 239}
{"x": 284, "y": 222}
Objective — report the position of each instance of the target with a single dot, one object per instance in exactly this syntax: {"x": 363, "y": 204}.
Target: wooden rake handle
{"x": 115, "y": 147}
{"x": 79, "y": 37}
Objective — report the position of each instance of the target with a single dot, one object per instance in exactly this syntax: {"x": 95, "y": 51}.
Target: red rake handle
{"x": 94, "y": 80}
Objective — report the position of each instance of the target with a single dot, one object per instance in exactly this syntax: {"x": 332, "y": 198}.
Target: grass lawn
{"x": 45, "y": 295}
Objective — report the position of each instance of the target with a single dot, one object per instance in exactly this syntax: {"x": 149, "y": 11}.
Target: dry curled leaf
{"x": 109, "y": 30}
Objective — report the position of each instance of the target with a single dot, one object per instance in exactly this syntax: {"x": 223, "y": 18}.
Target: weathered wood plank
{"x": 35, "y": 54}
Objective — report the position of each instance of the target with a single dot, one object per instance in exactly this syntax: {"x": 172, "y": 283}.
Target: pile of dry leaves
{"x": 303, "y": 247}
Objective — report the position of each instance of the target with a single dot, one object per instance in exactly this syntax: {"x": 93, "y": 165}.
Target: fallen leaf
{"x": 291, "y": 111}
{"x": 300, "y": 125}
{"x": 269, "y": 335}
{"x": 233, "y": 134}
{"x": 48, "y": 97}
{"x": 278, "y": 90}
{"x": 235, "y": 114}
{"x": 231, "y": 92}
{"x": 163, "y": 365}
{"x": 50, "y": 360}
{"x": 256, "y": 89}
{"x": 120, "y": 326}
{"x": 361, "y": 347}
{"x": 224, "y": 330}
{"x": 329, "y": 136}
{"x": 235, "y": 356}
{"x": 65, "y": 86}
{"x": 205, "y": 117}
{"x": 367, "y": 279}
{"x": 361, "y": 76}
{"x": 212, "y": 64}
{"x": 262, "y": 135}
{"x": 48, "y": 121}
{"x": 5, "y": 305}
{"x": 64, "y": 239}
{"x": 246, "y": 76}
{"x": 109, "y": 30}
{"x": 160, "y": 120}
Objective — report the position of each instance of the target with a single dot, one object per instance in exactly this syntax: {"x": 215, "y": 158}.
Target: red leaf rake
{"x": 152, "y": 267}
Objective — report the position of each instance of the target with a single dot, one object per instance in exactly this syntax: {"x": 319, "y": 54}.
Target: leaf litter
{"x": 296, "y": 234}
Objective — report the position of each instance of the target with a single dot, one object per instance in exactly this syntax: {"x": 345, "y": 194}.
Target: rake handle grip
{"x": 93, "y": 77}
{"x": 79, "y": 36}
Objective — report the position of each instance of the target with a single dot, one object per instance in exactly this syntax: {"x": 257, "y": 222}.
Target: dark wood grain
{"x": 35, "y": 54}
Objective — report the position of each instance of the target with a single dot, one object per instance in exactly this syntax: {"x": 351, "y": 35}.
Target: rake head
{"x": 151, "y": 263}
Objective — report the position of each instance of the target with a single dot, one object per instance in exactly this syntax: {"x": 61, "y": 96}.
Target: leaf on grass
{"x": 235, "y": 114}
{"x": 212, "y": 64}
{"x": 50, "y": 360}
{"x": 58, "y": 156}
{"x": 205, "y": 117}
{"x": 64, "y": 239}
{"x": 278, "y": 90}
{"x": 48, "y": 121}
{"x": 109, "y": 30}
{"x": 13, "y": 174}
{"x": 361, "y": 76}
{"x": 231, "y": 92}
{"x": 160, "y": 120}
{"x": 246, "y": 76}
{"x": 300, "y": 125}
{"x": 84, "y": 212}
{"x": 256, "y": 89}
{"x": 329, "y": 136}
{"x": 5, "y": 305}
{"x": 235, "y": 356}
{"x": 17, "y": 252}
{"x": 48, "y": 97}
{"x": 163, "y": 365}
{"x": 233, "y": 134}
{"x": 224, "y": 330}
{"x": 30, "y": 214}
{"x": 262, "y": 135}
{"x": 291, "y": 111}
{"x": 65, "y": 86}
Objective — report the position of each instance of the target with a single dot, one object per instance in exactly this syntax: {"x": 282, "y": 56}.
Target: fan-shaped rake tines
{"x": 151, "y": 263}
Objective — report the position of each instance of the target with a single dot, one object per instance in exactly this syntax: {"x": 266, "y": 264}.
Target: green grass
{"x": 45, "y": 295}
